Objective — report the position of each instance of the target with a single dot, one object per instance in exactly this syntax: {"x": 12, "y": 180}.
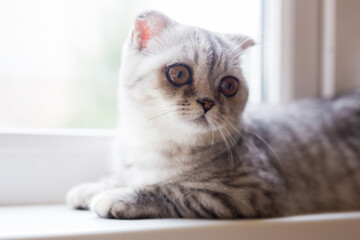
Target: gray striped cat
{"x": 187, "y": 149}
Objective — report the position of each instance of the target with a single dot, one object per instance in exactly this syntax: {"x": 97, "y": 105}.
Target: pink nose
{"x": 206, "y": 103}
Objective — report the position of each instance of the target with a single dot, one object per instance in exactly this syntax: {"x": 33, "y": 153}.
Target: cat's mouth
{"x": 201, "y": 120}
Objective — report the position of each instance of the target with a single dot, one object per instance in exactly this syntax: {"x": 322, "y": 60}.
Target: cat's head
{"x": 182, "y": 76}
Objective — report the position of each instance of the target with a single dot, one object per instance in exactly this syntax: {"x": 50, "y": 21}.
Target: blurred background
{"x": 59, "y": 60}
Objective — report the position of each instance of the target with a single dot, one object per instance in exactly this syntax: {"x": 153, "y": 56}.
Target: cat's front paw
{"x": 114, "y": 203}
{"x": 79, "y": 197}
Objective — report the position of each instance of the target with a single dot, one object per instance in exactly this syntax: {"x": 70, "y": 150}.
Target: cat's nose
{"x": 206, "y": 103}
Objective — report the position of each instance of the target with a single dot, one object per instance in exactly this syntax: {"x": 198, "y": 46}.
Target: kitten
{"x": 186, "y": 149}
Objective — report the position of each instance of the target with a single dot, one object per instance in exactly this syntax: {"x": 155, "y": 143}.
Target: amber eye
{"x": 229, "y": 86}
{"x": 178, "y": 74}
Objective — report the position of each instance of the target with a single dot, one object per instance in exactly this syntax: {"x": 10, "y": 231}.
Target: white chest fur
{"x": 140, "y": 158}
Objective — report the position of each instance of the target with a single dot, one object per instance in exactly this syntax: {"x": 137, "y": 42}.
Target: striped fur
{"x": 172, "y": 160}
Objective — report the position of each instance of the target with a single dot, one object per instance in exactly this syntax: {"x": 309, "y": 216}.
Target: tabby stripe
{"x": 212, "y": 54}
{"x": 334, "y": 195}
{"x": 240, "y": 175}
{"x": 352, "y": 172}
{"x": 222, "y": 46}
{"x": 148, "y": 198}
{"x": 207, "y": 211}
{"x": 220, "y": 176}
{"x": 224, "y": 199}
{"x": 322, "y": 157}
{"x": 301, "y": 154}
{"x": 337, "y": 150}
{"x": 344, "y": 133}
{"x": 173, "y": 206}
{"x": 165, "y": 195}
{"x": 191, "y": 208}
{"x": 185, "y": 192}
{"x": 309, "y": 158}
{"x": 335, "y": 144}
{"x": 219, "y": 60}
{"x": 273, "y": 207}
{"x": 271, "y": 154}
{"x": 255, "y": 204}
{"x": 244, "y": 185}
{"x": 196, "y": 57}
{"x": 226, "y": 63}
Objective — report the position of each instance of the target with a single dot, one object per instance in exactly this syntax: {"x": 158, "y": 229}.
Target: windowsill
{"x": 60, "y": 222}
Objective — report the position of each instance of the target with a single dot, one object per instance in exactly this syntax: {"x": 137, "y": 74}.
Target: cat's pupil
{"x": 229, "y": 86}
{"x": 180, "y": 74}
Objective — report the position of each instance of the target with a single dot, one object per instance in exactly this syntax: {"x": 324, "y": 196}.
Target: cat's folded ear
{"x": 242, "y": 41}
{"x": 148, "y": 25}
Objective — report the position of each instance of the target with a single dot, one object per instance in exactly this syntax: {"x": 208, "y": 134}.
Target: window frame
{"x": 314, "y": 55}
{"x": 300, "y": 49}
{"x": 293, "y": 36}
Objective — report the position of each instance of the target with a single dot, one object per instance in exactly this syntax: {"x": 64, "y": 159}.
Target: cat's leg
{"x": 79, "y": 197}
{"x": 176, "y": 201}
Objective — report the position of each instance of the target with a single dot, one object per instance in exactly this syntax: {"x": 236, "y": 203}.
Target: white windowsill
{"x": 60, "y": 222}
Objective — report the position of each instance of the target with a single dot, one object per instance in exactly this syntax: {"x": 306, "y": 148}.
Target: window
{"x": 59, "y": 60}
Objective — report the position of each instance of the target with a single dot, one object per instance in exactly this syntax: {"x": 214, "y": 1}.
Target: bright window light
{"x": 59, "y": 60}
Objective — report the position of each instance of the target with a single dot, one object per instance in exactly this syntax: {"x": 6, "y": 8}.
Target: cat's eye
{"x": 178, "y": 74}
{"x": 229, "y": 86}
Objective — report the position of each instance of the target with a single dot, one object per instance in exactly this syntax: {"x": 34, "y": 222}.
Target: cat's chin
{"x": 196, "y": 125}
{"x": 200, "y": 125}
{"x": 201, "y": 121}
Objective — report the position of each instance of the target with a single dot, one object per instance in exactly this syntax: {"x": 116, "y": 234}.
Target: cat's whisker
{"x": 163, "y": 111}
{"x": 212, "y": 133}
{"x": 227, "y": 145}
{"x": 231, "y": 137}
{"x": 169, "y": 107}
{"x": 254, "y": 134}
{"x": 230, "y": 154}
{"x": 246, "y": 140}
{"x": 162, "y": 114}
{"x": 212, "y": 140}
{"x": 265, "y": 142}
